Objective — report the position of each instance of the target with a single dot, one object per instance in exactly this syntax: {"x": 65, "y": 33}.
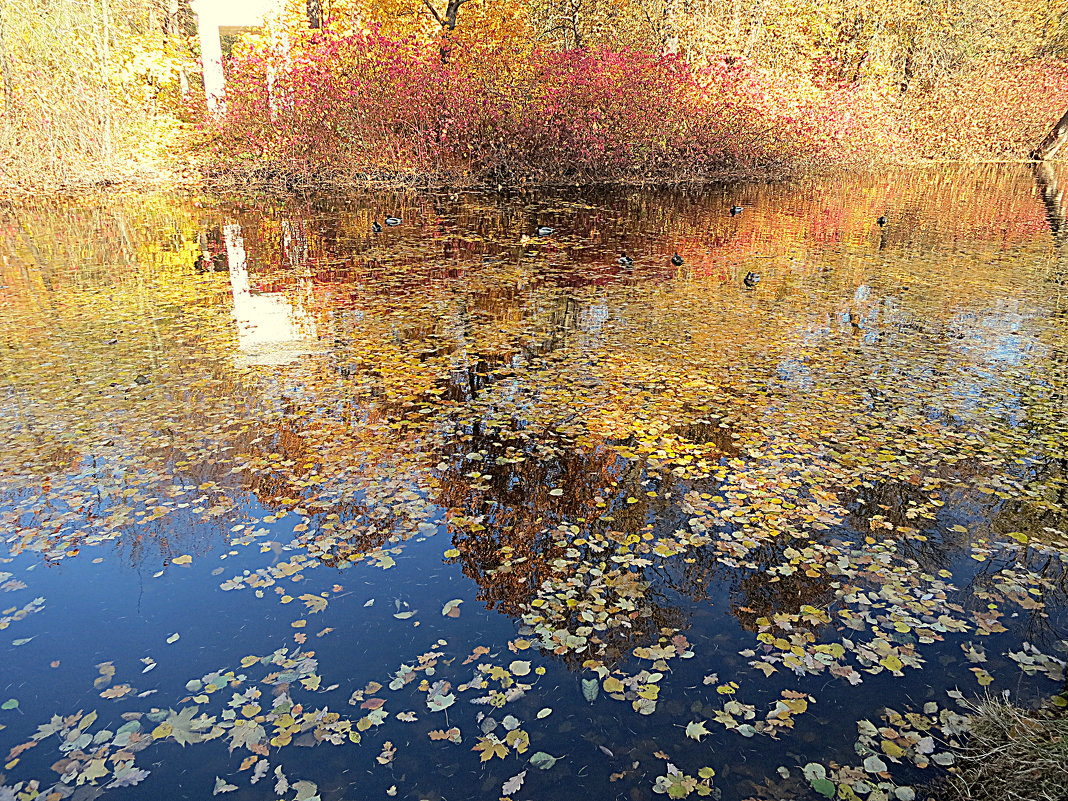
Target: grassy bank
{"x": 1012, "y": 754}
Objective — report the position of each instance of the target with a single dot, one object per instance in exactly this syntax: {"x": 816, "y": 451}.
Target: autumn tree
{"x": 87, "y": 87}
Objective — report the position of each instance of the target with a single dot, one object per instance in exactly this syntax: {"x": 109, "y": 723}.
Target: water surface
{"x": 292, "y": 508}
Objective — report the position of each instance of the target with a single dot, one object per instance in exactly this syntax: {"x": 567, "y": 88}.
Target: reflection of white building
{"x": 270, "y": 329}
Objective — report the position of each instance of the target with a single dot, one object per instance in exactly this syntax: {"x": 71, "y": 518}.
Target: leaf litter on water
{"x": 796, "y": 499}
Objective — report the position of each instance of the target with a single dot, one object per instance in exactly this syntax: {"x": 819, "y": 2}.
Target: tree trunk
{"x": 669, "y": 39}
{"x": 1053, "y": 142}
{"x": 105, "y": 82}
{"x": 452, "y": 13}
{"x": 573, "y": 22}
{"x": 315, "y": 14}
{"x": 5, "y": 70}
{"x": 447, "y": 23}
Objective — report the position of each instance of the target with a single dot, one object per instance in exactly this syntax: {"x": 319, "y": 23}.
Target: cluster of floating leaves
{"x": 923, "y": 738}
{"x": 804, "y": 442}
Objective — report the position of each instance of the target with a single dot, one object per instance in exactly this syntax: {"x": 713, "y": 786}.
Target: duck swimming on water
{"x": 393, "y": 221}
{"x": 751, "y": 279}
{"x": 625, "y": 260}
{"x": 736, "y": 210}
{"x": 546, "y": 231}
{"x": 376, "y": 228}
{"x": 881, "y": 221}
{"x": 677, "y": 260}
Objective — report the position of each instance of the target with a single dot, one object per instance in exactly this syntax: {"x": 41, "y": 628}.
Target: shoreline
{"x": 279, "y": 182}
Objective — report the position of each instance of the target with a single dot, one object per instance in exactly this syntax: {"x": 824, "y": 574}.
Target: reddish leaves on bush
{"x": 361, "y": 103}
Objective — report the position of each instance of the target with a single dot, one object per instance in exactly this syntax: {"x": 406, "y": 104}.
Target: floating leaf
{"x": 315, "y": 603}
{"x": 696, "y": 730}
{"x": 590, "y": 689}
{"x": 438, "y": 703}
{"x": 824, "y": 787}
{"x": 814, "y": 771}
{"x": 513, "y": 784}
{"x": 388, "y": 752}
{"x": 542, "y": 760}
{"x": 452, "y": 735}
{"x": 222, "y": 787}
{"x": 519, "y": 668}
{"x": 126, "y": 775}
{"x": 489, "y": 747}
{"x": 873, "y": 764}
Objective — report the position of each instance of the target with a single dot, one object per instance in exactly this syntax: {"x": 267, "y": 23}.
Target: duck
{"x": 625, "y": 260}
{"x": 881, "y": 221}
{"x": 677, "y": 260}
{"x": 751, "y": 279}
{"x": 736, "y": 210}
{"x": 545, "y": 230}
{"x": 393, "y": 221}
{"x": 376, "y": 228}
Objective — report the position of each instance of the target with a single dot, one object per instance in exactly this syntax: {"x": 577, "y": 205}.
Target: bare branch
{"x": 434, "y": 11}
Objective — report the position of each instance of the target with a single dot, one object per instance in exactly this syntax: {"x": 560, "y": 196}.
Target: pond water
{"x": 293, "y": 508}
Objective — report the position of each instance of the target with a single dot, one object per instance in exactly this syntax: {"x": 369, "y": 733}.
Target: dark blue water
{"x": 856, "y": 460}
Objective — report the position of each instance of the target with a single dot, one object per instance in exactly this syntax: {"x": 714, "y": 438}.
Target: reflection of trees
{"x": 451, "y": 335}
{"x": 512, "y": 503}
{"x": 511, "y": 527}
{"x": 752, "y": 592}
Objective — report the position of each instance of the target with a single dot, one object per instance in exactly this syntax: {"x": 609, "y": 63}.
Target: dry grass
{"x": 1013, "y": 754}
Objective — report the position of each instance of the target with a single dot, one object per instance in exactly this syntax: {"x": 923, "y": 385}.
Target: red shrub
{"x": 364, "y": 103}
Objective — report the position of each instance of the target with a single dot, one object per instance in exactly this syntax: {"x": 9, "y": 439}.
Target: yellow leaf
{"x": 315, "y": 603}
{"x": 891, "y": 748}
{"x": 891, "y": 663}
{"x": 490, "y": 747}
